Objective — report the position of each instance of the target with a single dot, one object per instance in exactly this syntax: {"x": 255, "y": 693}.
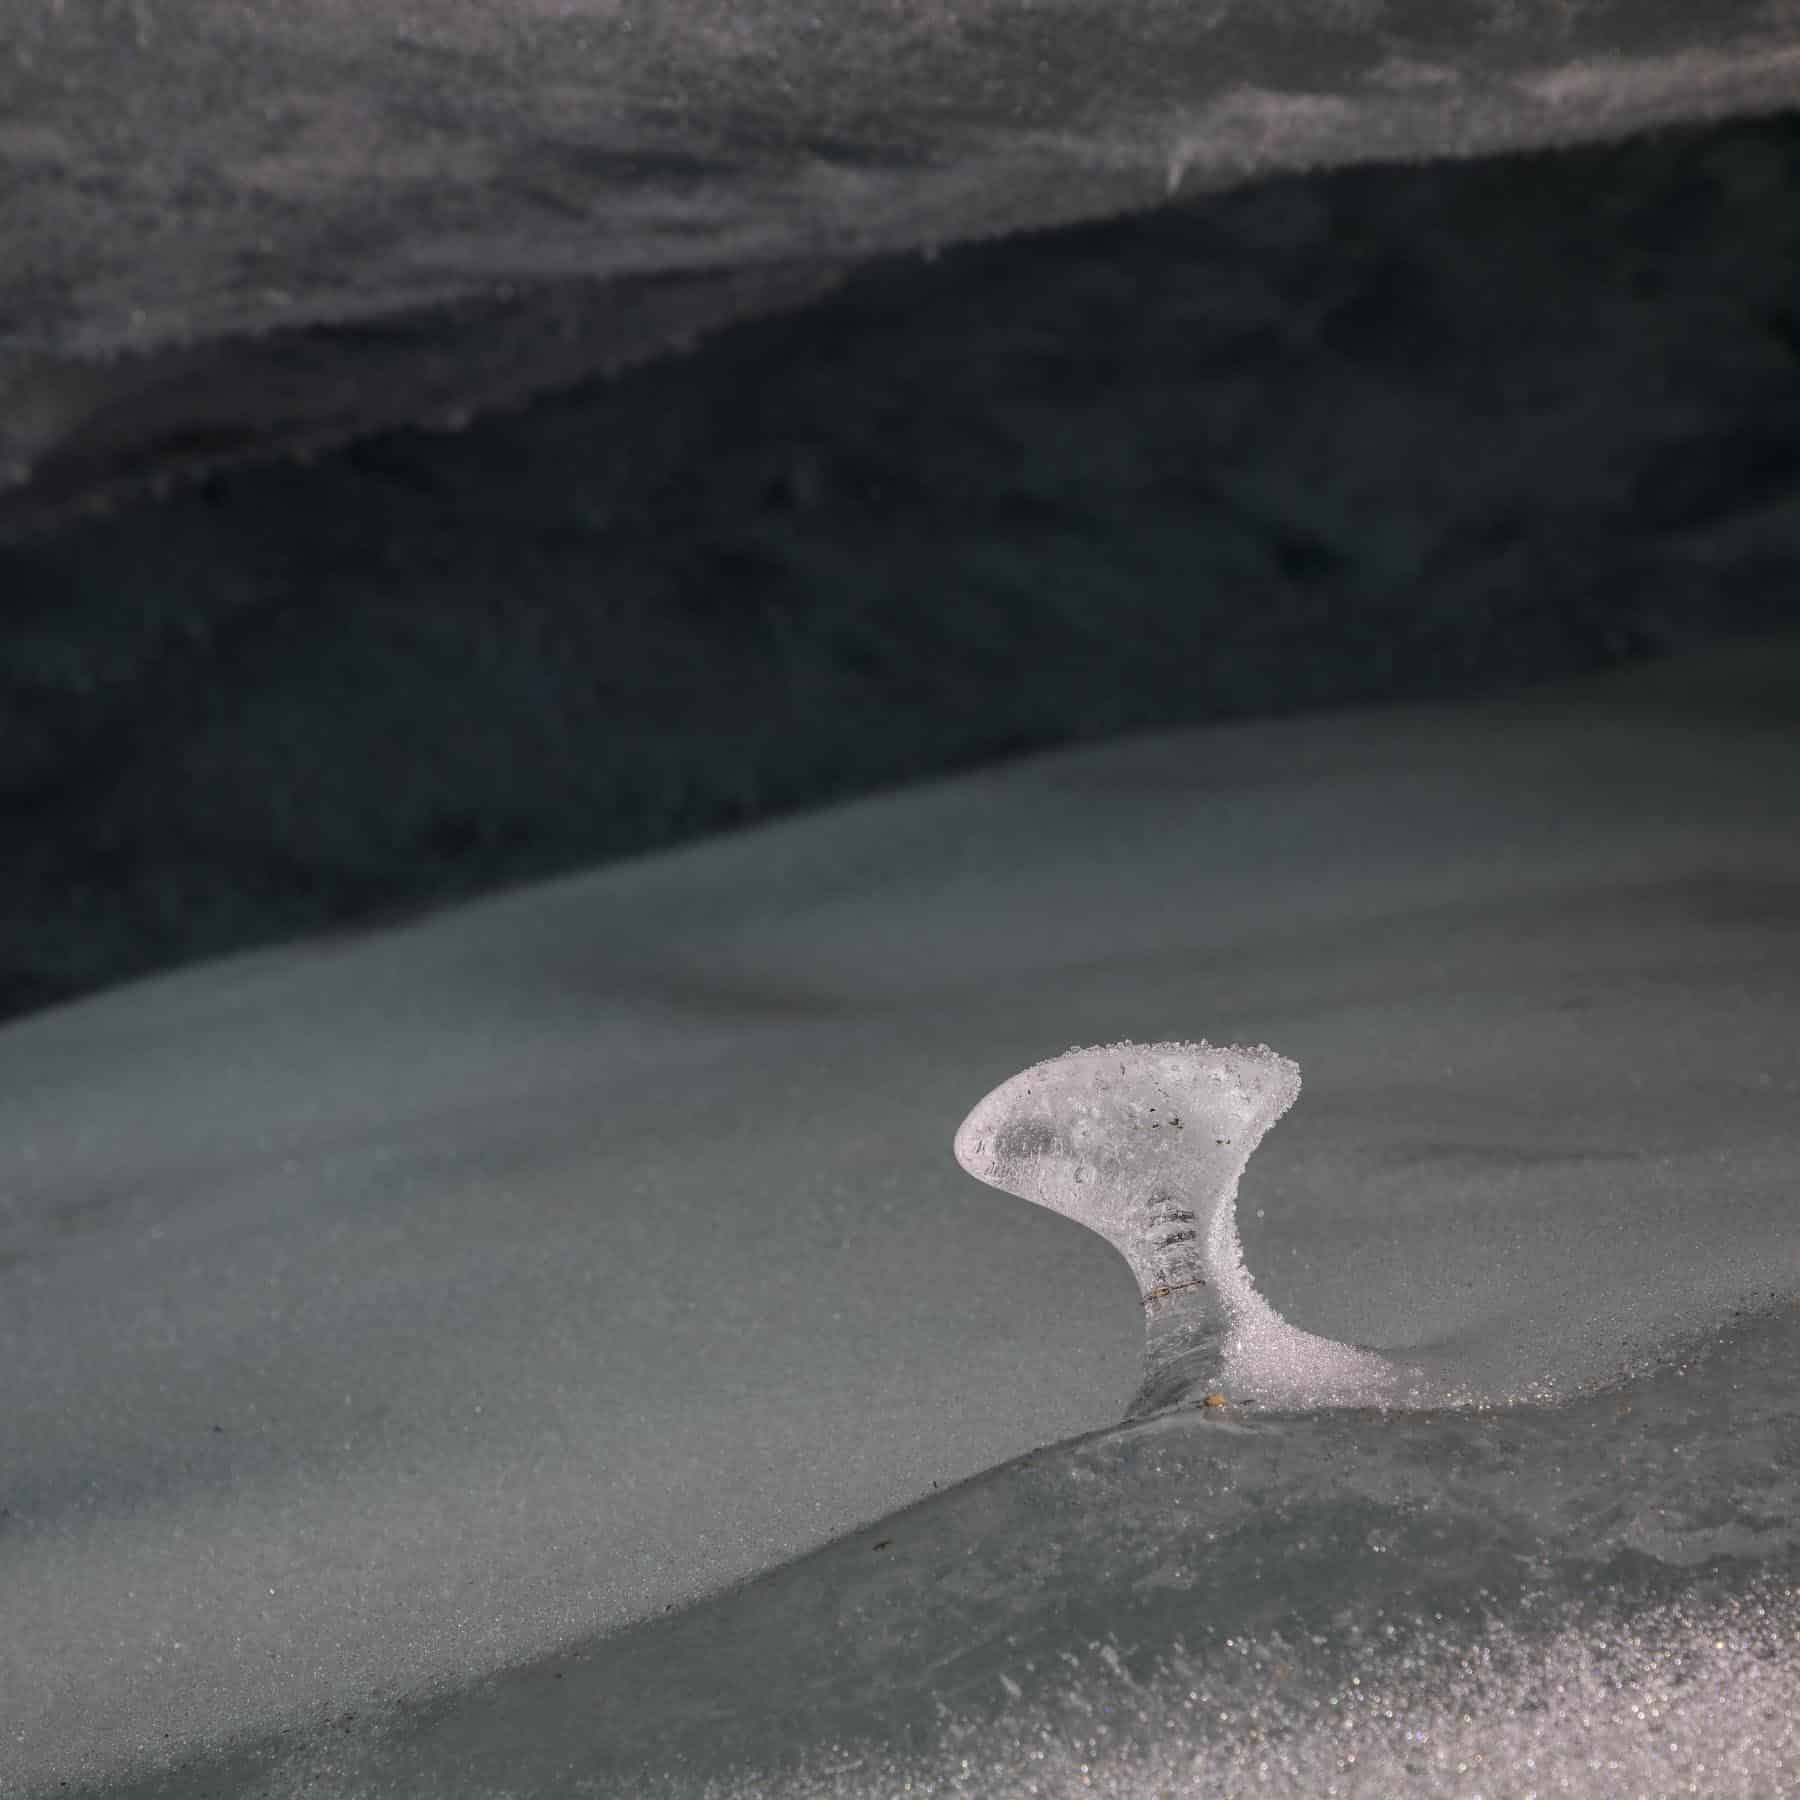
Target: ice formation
{"x": 1146, "y": 1144}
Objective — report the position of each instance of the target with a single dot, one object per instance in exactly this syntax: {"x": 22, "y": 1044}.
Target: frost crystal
{"x": 1145, "y": 1144}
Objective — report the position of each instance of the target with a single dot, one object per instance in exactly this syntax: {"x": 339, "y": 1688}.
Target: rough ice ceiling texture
{"x": 176, "y": 172}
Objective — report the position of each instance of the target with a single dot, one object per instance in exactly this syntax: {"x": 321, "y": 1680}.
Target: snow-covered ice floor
{"x": 381, "y": 1316}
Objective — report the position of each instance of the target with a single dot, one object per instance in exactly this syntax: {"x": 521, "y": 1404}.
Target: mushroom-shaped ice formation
{"x": 1145, "y": 1143}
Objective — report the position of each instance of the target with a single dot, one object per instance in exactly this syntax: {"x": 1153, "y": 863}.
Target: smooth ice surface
{"x": 381, "y": 1314}
{"x": 1146, "y": 1144}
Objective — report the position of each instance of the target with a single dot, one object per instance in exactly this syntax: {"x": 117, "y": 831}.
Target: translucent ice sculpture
{"x": 1145, "y": 1143}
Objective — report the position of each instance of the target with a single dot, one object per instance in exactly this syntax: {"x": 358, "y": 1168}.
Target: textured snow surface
{"x": 1682, "y": 1699}
{"x": 387, "y": 1314}
{"x": 1595, "y": 1598}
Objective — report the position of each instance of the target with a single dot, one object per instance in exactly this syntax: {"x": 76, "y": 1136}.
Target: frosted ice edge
{"x": 1145, "y": 1144}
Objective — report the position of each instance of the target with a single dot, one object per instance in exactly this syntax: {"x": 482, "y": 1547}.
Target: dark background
{"x": 1359, "y": 437}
